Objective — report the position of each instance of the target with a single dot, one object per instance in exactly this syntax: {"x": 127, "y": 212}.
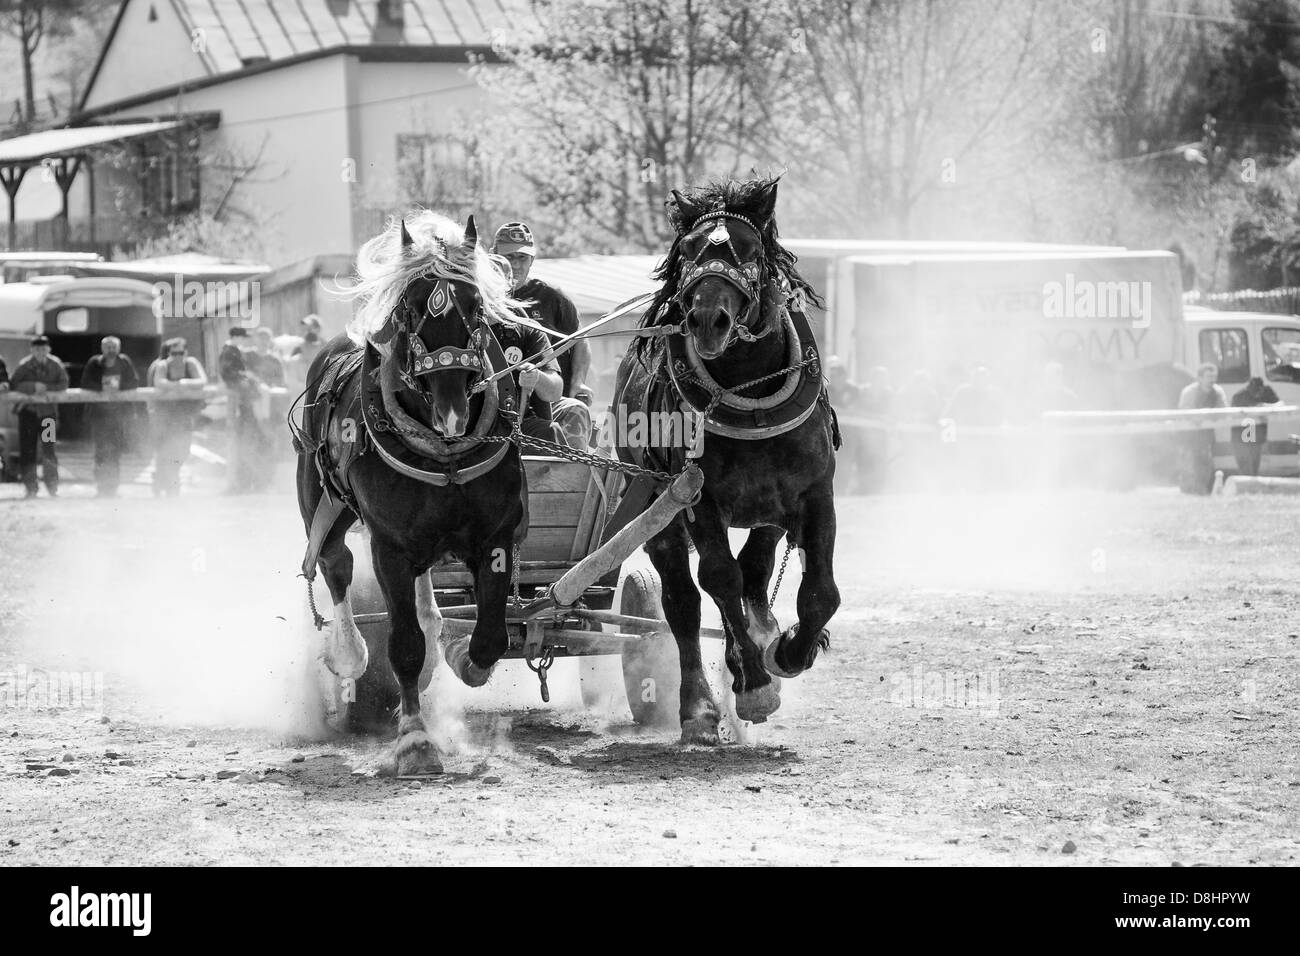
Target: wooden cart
{"x": 569, "y": 564}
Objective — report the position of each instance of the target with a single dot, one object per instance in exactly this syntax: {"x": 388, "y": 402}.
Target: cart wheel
{"x": 651, "y": 672}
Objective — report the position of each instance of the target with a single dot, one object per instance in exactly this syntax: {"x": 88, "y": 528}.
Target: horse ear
{"x": 682, "y": 213}
{"x": 766, "y": 207}
{"x": 471, "y": 232}
{"x": 407, "y": 241}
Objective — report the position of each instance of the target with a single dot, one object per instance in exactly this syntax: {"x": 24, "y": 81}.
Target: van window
{"x": 73, "y": 320}
{"x": 1282, "y": 355}
{"x": 1228, "y": 349}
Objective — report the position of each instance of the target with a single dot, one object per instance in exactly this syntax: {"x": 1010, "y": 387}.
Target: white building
{"x": 313, "y": 119}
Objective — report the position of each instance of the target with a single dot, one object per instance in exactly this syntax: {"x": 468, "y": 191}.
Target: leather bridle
{"x": 745, "y": 275}
{"x": 448, "y": 358}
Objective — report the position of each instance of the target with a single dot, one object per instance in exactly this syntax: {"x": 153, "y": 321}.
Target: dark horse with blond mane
{"x": 396, "y": 433}
{"x": 743, "y": 356}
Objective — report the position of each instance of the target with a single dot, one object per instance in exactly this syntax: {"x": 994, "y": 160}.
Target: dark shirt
{"x": 234, "y": 372}
{"x": 4, "y": 373}
{"x": 555, "y": 310}
{"x": 50, "y": 372}
{"x": 520, "y": 342}
{"x": 98, "y": 377}
{"x": 266, "y": 367}
{"x": 1256, "y": 392}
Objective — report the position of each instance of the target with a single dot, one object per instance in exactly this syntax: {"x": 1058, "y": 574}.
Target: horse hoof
{"x": 413, "y": 756}
{"x": 351, "y": 664}
{"x": 770, "y": 664}
{"x": 457, "y": 657}
{"x": 757, "y": 705}
{"x": 702, "y": 731}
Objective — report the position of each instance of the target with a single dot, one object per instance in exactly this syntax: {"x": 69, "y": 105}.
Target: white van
{"x": 75, "y": 313}
{"x": 1246, "y": 345}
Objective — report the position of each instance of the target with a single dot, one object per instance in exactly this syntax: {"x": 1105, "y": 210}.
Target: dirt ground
{"x": 1082, "y": 678}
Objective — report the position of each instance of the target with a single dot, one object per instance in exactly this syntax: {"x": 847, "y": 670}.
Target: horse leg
{"x": 429, "y": 615}
{"x": 344, "y": 652}
{"x": 681, "y": 602}
{"x": 413, "y": 753}
{"x": 472, "y": 658}
{"x": 721, "y": 575}
{"x": 757, "y": 561}
{"x": 797, "y": 648}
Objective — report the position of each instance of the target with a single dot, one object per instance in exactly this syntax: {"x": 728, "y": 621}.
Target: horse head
{"x": 427, "y": 285}
{"x": 723, "y": 233}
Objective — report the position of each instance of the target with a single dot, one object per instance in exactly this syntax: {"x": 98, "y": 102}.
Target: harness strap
{"x": 328, "y": 510}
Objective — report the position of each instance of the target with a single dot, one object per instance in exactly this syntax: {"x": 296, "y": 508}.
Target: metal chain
{"x": 311, "y": 603}
{"x": 514, "y": 574}
{"x": 721, "y": 392}
{"x": 517, "y": 437}
{"x": 789, "y": 546}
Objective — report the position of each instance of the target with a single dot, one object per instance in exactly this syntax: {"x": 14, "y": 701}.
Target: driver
{"x": 553, "y": 310}
{"x": 541, "y": 377}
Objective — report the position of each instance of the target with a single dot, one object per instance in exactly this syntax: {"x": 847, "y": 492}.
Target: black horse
{"x": 769, "y": 451}
{"x": 394, "y": 434}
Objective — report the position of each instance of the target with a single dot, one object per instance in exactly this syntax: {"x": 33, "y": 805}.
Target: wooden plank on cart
{"x": 592, "y": 504}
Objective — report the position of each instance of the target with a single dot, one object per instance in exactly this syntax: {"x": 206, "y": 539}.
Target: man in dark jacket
{"x": 38, "y": 373}
{"x": 109, "y": 371}
{"x": 555, "y": 311}
{"x": 1250, "y": 437}
{"x": 250, "y": 452}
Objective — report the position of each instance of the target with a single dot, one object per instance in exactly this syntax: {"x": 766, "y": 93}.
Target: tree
{"x": 216, "y": 219}
{"x": 1253, "y": 87}
{"x": 882, "y": 103}
{"x": 603, "y": 106}
{"x": 30, "y": 22}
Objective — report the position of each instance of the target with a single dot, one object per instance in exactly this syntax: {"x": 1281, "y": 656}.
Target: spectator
{"x": 849, "y": 401}
{"x": 250, "y": 449}
{"x": 877, "y": 403}
{"x": 4, "y": 376}
{"x": 1249, "y": 440}
{"x": 311, "y": 346}
{"x": 844, "y": 393}
{"x": 1197, "y": 473}
{"x": 262, "y": 360}
{"x": 918, "y": 402}
{"x": 1054, "y": 395}
{"x": 978, "y": 402}
{"x": 555, "y": 311}
{"x": 110, "y": 371}
{"x": 38, "y": 373}
{"x": 173, "y": 420}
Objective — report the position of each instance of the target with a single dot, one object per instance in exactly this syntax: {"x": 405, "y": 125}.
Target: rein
{"x": 566, "y": 342}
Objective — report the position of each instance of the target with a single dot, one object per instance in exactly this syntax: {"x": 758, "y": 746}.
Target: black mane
{"x": 747, "y": 197}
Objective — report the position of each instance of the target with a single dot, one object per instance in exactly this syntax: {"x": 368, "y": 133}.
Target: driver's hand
{"x": 528, "y": 376}
{"x": 584, "y": 394}
{"x": 40, "y": 387}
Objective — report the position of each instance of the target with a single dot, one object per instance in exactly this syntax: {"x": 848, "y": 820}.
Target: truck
{"x": 1113, "y": 319}
{"x": 75, "y": 313}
